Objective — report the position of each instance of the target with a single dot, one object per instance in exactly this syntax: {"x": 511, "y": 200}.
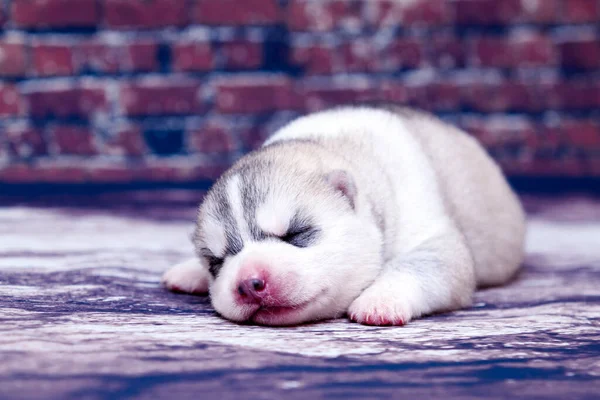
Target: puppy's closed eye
{"x": 214, "y": 263}
{"x": 301, "y": 236}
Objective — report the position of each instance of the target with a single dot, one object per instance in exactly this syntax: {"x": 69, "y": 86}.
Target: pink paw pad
{"x": 174, "y": 288}
{"x": 377, "y": 320}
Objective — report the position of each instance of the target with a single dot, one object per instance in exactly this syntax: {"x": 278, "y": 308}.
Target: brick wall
{"x": 157, "y": 90}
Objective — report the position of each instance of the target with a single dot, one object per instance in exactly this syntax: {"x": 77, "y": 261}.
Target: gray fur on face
{"x": 254, "y": 175}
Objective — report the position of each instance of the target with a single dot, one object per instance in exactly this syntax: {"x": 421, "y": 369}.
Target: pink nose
{"x": 252, "y": 290}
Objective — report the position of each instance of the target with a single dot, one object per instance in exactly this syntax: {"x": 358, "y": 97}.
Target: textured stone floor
{"x": 82, "y": 317}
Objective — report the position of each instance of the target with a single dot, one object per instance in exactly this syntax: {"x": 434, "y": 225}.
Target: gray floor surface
{"x": 82, "y": 316}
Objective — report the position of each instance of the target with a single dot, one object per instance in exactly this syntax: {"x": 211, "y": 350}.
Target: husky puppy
{"x": 383, "y": 215}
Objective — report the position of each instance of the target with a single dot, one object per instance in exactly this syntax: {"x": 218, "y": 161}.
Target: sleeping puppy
{"x": 383, "y": 215}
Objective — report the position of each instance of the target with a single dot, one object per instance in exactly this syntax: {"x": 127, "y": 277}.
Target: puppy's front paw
{"x": 379, "y": 307}
{"x": 187, "y": 277}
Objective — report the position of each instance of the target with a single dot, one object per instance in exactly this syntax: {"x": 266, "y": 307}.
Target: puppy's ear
{"x": 343, "y": 182}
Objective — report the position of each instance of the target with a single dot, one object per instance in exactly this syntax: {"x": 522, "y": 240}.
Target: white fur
{"x": 213, "y": 229}
{"x": 235, "y": 201}
{"x": 432, "y": 219}
{"x": 190, "y": 276}
{"x": 274, "y": 217}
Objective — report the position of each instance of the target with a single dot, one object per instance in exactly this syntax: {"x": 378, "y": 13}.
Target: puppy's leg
{"x": 190, "y": 276}
{"x": 437, "y": 275}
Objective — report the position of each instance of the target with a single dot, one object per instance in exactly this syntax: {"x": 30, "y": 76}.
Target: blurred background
{"x": 170, "y": 92}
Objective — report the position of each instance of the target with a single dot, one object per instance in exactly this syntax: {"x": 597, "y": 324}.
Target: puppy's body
{"x": 400, "y": 215}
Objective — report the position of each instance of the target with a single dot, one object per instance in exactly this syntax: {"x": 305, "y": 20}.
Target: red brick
{"x": 416, "y": 96}
{"x": 52, "y": 60}
{"x": 435, "y": 97}
{"x": 540, "y": 11}
{"x": 115, "y": 172}
{"x": 97, "y": 56}
{"x": 535, "y": 50}
{"x": 141, "y": 56}
{"x": 315, "y": 59}
{"x": 524, "y": 97}
{"x": 400, "y": 53}
{"x": 64, "y": 103}
{"x": 232, "y": 12}
{"x": 146, "y": 14}
{"x": 485, "y": 97}
{"x": 394, "y": 92}
{"x": 128, "y": 141}
{"x": 418, "y": 12}
{"x": 504, "y": 96}
{"x": 255, "y": 95}
{"x": 583, "y": 54}
{"x": 11, "y": 102}
{"x": 426, "y": 12}
{"x": 593, "y": 164}
{"x": 539, "y": 166}
{"x": 101, "y": 57}
{"x": 162, "y": 171}
{"x": 486, "y": 12}
{"x": 546, "y": 139}
{"x": 25, "y": 142}
{"x": 19, "y": 173}
{"x": 191, "y": 57}
{"x": 242, "y": 54}
{"x": 213, "y": 137}
{"x": 12, "y": 59}
{"x": 163, "y": 98}
{"x": 448, "y": 51}
{"x": 581, "y": 11}
{"x": 307, "y": 15}
{"x": 54, "y": 13}
{"x": 318, "y": 97}
{"x": 61, "y": 173}
{"x": 573, "y": 95}
{"x": 584, "y": 134}
{"x": 493, "y": 52}
{"x": 72, "y": 140}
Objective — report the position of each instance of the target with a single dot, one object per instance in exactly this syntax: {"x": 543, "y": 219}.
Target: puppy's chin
{"x": 290, "y": 312}
{"x": 282, "y": 316}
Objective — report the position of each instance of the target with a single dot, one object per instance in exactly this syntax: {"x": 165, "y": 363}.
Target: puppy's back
{"x": 476, "y": 194}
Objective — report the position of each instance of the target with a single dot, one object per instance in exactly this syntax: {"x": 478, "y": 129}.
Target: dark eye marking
{"x": 214, "y": 263}
{"x": 301, "y": 231}
{"x": 302, "y": 236}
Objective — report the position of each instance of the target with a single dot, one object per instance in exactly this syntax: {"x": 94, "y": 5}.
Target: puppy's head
{"x": 286, "y": 244}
